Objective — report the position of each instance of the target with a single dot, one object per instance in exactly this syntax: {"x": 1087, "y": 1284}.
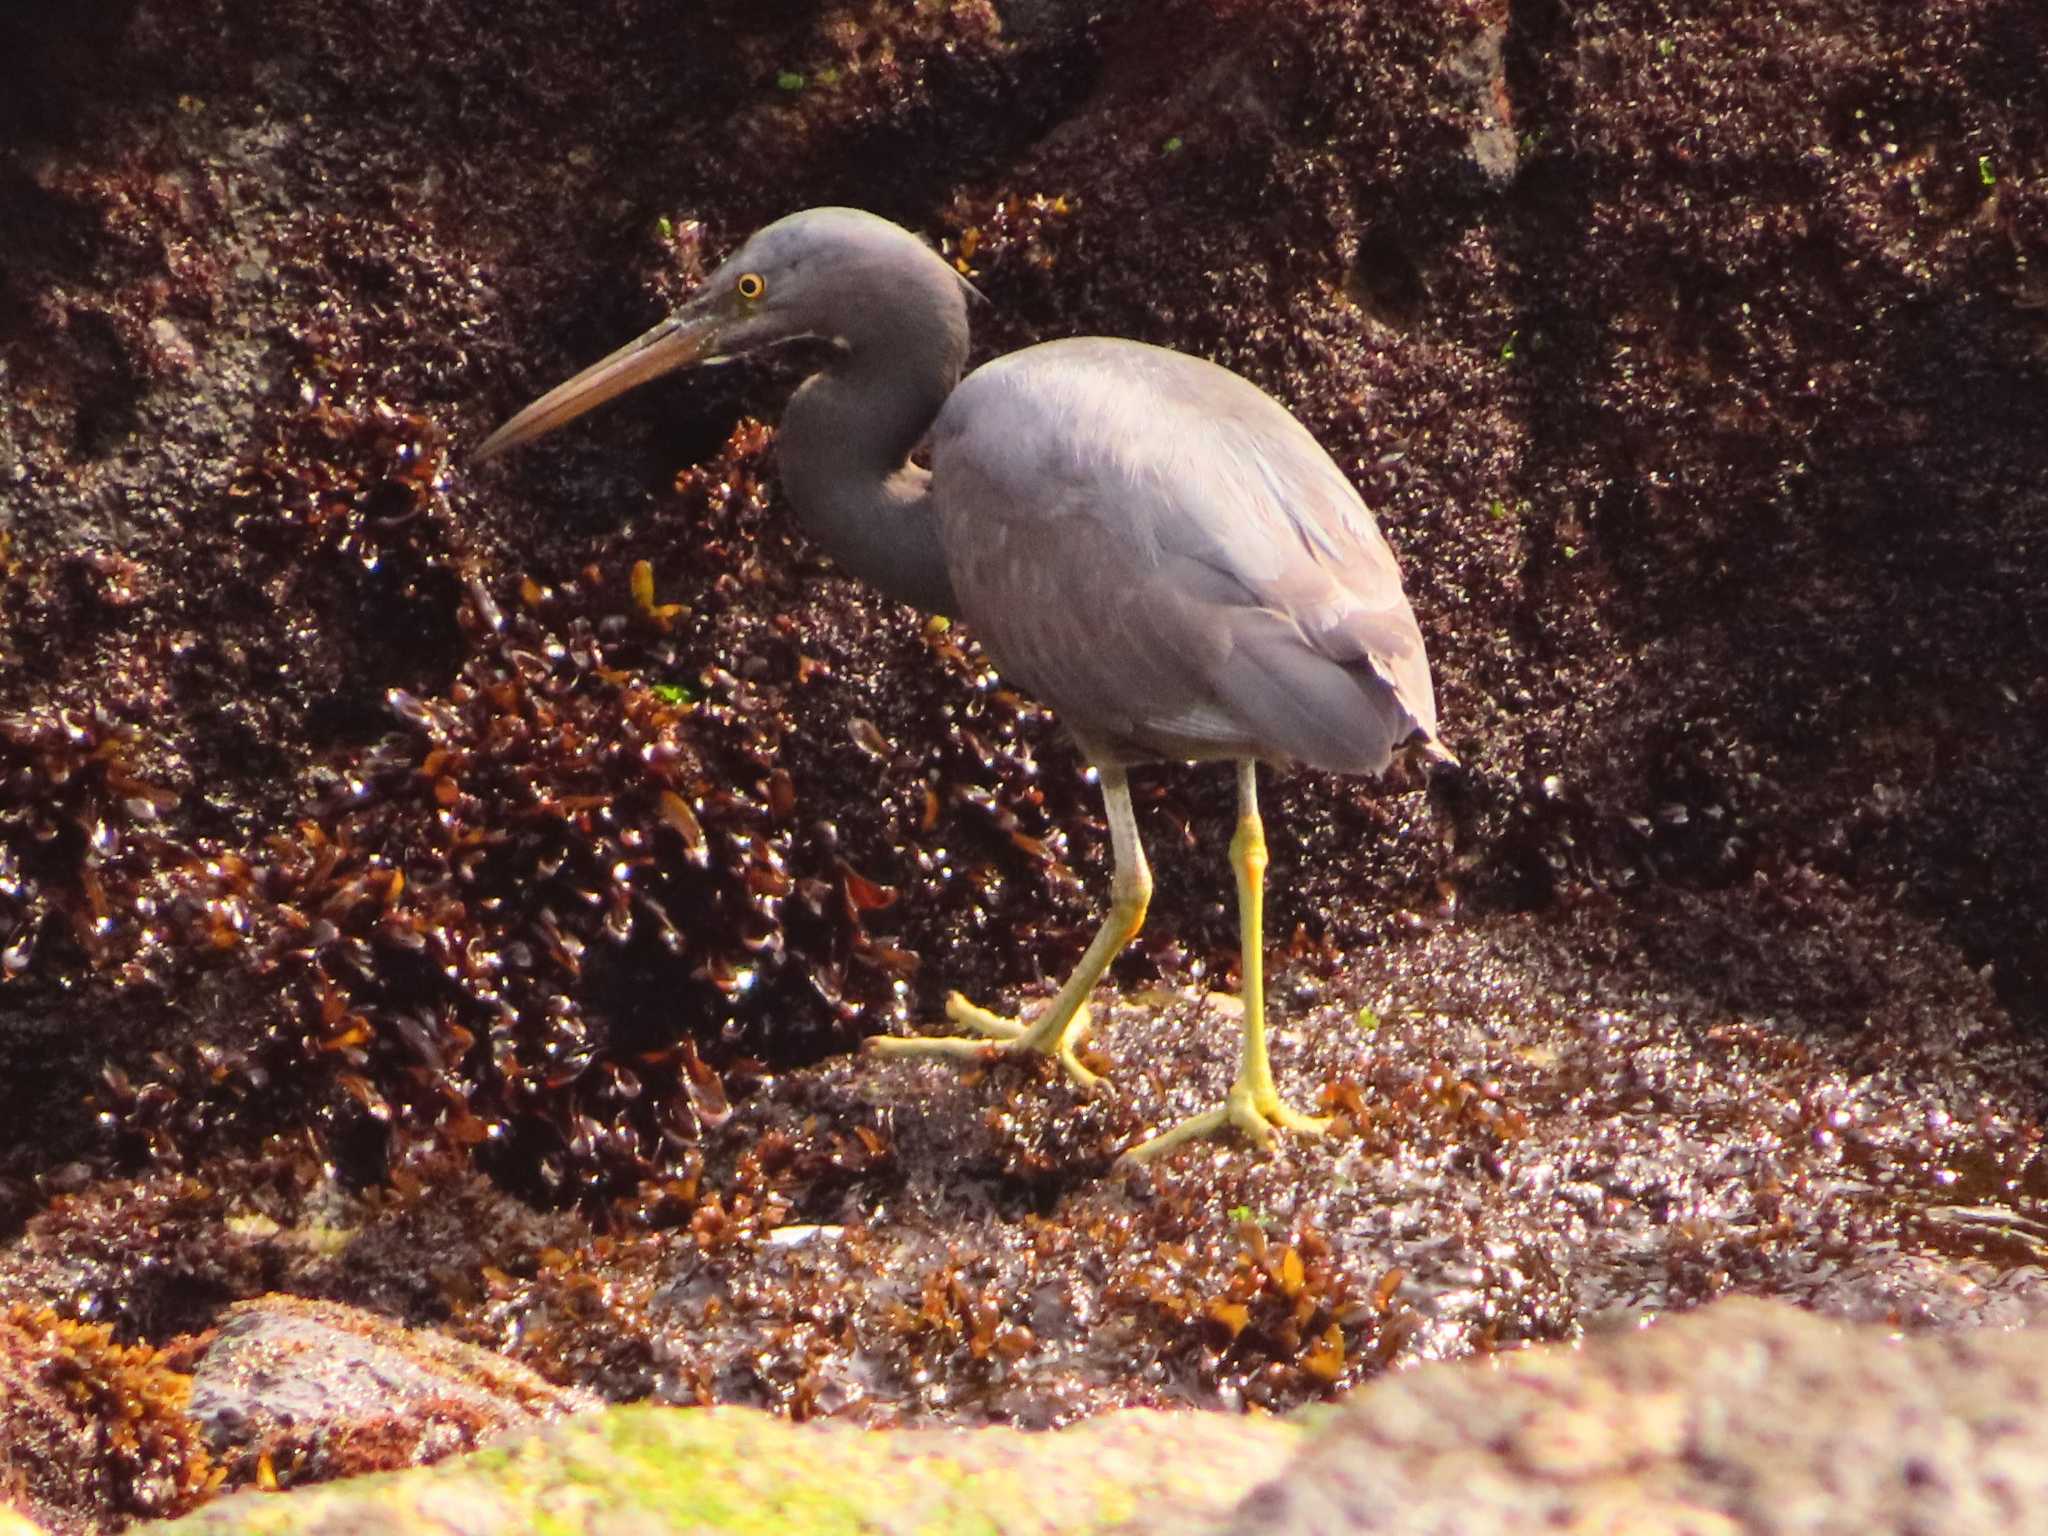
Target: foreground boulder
{"x": 1746, "y": 1416}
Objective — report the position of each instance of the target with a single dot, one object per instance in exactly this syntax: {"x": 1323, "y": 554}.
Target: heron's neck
{"x": 846, "y": 442}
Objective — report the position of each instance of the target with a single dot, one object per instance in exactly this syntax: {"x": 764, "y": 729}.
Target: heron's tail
{"x": 1428, "y": 749}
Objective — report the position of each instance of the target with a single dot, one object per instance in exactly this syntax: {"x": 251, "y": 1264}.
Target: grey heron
{"x": 1145, "y": 541}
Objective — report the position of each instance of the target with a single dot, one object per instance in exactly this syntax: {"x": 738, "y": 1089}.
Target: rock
{"x": 172, "y": 348}
{"x": 1478, "y": 71}
{"x": 650, "y": 1470}
{"x": 316, "y": 1389}
{"x": 361, "y": 829}
{"x": 1746, "y": 1416}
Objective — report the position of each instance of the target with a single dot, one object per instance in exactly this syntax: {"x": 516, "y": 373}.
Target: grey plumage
{"x": 1188, "y": 576}
{"x": 1147, "y": 542}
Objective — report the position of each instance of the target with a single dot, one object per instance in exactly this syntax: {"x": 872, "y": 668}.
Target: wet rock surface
{"x": 406, "y": 901}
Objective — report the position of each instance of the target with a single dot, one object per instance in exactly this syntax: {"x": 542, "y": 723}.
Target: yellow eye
{"x": 751, "y": 285}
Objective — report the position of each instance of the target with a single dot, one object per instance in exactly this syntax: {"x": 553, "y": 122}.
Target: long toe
{"x": 981, "y": 1021}
{"x": 1242, "y": 1109}
{"x": 1279, "y": 1117}
{"x": 995, "y": 1037}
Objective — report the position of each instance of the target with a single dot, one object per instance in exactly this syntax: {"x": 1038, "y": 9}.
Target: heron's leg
{"x": 1253, "y": 1103}
{"x": 1063, "y": 1024}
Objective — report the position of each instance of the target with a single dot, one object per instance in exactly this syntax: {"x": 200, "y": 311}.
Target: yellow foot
{"x": 995, "y": 1036}
{"x": 1257, "y": 1115}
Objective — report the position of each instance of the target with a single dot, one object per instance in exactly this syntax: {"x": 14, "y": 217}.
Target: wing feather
{"x": 1160, "y": 551}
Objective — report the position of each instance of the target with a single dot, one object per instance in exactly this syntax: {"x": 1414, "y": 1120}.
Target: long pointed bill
{"x": 677, "y": 342}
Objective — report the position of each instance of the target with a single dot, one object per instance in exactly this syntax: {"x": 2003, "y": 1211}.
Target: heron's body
{"x": 1157, "y": 549}
{"x": 1147, "y": 542}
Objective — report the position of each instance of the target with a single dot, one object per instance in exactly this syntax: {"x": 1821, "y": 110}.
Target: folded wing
{"x": 1159, "y": 550}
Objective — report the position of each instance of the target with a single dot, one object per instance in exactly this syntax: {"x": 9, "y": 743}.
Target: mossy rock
{"x": 649, "y": 1470}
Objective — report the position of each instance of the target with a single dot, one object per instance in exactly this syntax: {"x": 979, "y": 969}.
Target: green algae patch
{"x": 733, "y": 1470}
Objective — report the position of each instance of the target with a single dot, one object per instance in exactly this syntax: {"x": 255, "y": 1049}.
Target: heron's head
{"x": 836, "y": 273}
